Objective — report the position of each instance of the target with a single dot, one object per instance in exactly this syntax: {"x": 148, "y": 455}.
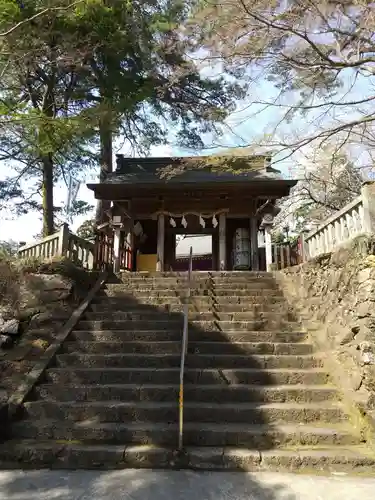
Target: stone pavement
{"x": 179, "y": 485}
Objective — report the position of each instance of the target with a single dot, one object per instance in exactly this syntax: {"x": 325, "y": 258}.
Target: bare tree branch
{"x": 319, "y": 57}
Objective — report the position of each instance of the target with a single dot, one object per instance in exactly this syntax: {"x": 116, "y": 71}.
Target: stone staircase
{"x": 256, "y": 395}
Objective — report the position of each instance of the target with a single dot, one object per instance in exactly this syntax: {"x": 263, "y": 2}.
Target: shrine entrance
{"x": 197, "y": 231}
{"x": 173, "y": 243}
{"x": 150, "y": 211}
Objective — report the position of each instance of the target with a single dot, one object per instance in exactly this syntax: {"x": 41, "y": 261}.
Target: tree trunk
{"x": 47, "y": 158}
{"x": 105, "y": 133}
{"x": 47, "y": 194}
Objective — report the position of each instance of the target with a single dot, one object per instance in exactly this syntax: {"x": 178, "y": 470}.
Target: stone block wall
{"x": 42, "y": 297}
{"x": 334, "y": 294}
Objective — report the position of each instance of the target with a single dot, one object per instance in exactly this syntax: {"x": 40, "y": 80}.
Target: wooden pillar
{"x": 305, "y": 249}
{"x": 129, "y": 251}
{"x": 267, "y": 234}
{"x": 254, "y": 244}
{"x": 116, "y": 250}
{"x": 215, "y": 252}
{"x": 160, "y": 245}
{"x": 222, "y": 242}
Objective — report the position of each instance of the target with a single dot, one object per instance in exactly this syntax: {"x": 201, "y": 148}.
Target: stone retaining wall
{"x": 42, "y": 297}
{"x": 334, "y": 294}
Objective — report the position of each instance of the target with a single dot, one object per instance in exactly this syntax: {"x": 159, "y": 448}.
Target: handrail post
{"x": 63, "y": 240}
{"x": 183, "y": 354}
{"x": 368, "y": 199}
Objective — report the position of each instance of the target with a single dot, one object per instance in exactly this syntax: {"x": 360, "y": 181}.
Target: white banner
{"x": 73, "y": 189}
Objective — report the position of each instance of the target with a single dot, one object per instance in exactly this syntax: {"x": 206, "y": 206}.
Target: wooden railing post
{"x": 97, "y": 251}
{"x": 275, "y": 256}
{"x": 288, "y": 257}
{"x": 63, "y": 240}
{"x": 303, "y": 247}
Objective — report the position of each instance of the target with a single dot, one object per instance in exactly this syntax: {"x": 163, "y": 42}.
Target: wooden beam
{"x": 123, "y": 210}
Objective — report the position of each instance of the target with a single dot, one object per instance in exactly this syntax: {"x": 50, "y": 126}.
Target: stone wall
{"x": 334, "y": 295}
{"x": 42, "y": 297}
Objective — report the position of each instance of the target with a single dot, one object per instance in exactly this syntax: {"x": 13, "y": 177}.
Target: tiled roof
{"x": 191, "y": 170}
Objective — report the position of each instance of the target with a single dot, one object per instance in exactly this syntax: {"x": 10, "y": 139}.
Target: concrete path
{"x": 176, "y": 485}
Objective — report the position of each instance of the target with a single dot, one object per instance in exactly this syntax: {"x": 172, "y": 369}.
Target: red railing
{"x": 103, "y": 251}
{"x": 286, "y": 255}
{"x": 105, "y": 255}
{"x": 126, "y": 258}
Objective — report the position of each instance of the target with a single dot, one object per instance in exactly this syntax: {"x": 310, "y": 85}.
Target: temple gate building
{"x": 154, "y": 200}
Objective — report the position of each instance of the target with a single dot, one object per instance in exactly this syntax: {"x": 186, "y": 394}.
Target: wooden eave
{"x": 273, "y": 188}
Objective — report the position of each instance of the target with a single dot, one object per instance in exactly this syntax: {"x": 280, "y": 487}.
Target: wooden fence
{"x": 283, "y": 255}
{"x": 104, "y": 250}
{"x": 286, "y": 255}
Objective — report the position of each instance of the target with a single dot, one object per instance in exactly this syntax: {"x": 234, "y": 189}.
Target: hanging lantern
{"x": 184, "y": 221}
{"x": 202, "y": 222}
{"x": 214, "y": 221}
{"x": 172, "y": 222}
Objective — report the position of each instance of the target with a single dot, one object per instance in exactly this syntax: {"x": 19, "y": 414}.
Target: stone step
{"x": 197, "y": 301}
{"x": 196, "y": 286}
{"x": 194, "y": 336}
{"x": 177, "y": 323}
{"x": 195, "y": 434}
{"x": 168, "y": 293}
{"x": 121, "y": 306}
{"x": 70, "y": 455}
{"x": 196, "y": 280}
{"x": 156, "y": 315}
{"x": 174, "y": 347}
{"x": 193, "y": 376}
{"x": 183, "y": 279}
{"x": 202, "y": 361}
{"x": 199, "y": 276}
{"x": 235, "y": 393}
{"x": 168, "y": 411}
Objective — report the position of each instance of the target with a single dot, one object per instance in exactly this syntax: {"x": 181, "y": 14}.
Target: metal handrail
{"x": 183, "y": 353}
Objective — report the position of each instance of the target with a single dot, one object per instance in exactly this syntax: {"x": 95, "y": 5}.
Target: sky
{"x": 25, "y": 227}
